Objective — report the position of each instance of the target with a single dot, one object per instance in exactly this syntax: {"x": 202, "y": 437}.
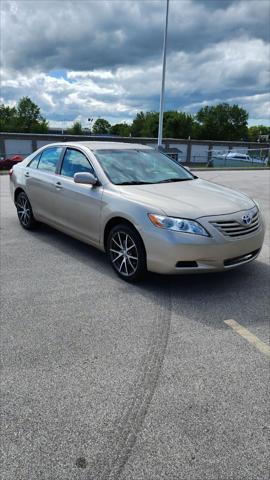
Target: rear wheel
{"x": 126, "y": 253}
{"x": 24, "y": 212}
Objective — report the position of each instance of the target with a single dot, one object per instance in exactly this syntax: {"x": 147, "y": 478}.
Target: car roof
{"x": 106, "y": 145}
{"x": 112, "y": 145}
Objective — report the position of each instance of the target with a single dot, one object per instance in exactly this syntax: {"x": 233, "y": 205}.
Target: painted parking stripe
{"x": 263, "y": 347}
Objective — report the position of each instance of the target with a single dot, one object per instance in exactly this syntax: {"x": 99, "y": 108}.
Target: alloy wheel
{"x": 124, "y": 254}
{"x": 24, "y": 210}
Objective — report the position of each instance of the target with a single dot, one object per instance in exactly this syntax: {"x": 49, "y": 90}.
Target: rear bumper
{"x": 171, "y": 252}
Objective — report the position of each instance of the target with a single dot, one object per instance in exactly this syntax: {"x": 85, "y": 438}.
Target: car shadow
{"x": 241, "y": 293}
{"x": 77, "y": 249}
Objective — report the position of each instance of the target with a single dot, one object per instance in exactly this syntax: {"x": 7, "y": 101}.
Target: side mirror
{"x": 85, "y": 178}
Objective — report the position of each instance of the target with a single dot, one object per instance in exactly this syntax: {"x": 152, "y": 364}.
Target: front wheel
{"x": 126, "y": 253}
{"x": 24, "y": 212}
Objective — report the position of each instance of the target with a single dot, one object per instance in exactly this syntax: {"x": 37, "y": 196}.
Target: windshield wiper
{"x": 133, "y": 182}
{"x": 168, "y": 180}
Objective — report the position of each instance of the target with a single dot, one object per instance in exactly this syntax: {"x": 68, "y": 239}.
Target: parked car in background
{"x": 8, "y": 163}
{"x": 244, "y": 158}
{"x": 145, "y": 210}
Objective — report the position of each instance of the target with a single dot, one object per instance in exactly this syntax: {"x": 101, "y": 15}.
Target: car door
{"x": 41, "y": 183}
{"x": 78, "y": 206}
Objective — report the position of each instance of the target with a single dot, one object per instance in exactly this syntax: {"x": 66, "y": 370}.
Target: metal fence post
{"x": 209, "y": 155}
{"x": 2, "y": 148}
{"x": 188, "y": 159}
{"x": 34, "y": 145}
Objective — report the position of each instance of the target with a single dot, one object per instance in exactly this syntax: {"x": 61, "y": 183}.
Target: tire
{"x": 126, "y": 253}
{"x": 24, "y": 212}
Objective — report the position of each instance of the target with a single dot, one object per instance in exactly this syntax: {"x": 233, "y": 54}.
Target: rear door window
{"x": 34, "y": 161}
{"x": 49, "y": 159}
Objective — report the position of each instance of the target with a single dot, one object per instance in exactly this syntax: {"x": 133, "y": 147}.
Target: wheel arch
{"x": 117, "y": 221}
{"x": 17, "y": 191}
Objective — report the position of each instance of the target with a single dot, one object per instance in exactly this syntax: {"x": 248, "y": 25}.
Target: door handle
{"x": 58, "y": 185}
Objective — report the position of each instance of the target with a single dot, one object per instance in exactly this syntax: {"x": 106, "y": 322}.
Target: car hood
{"x": 190, "y": 199}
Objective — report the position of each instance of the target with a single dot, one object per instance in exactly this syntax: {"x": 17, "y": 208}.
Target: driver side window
{"x": 74, "y": 161}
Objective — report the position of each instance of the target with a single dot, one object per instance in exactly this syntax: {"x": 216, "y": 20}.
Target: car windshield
{"x": 135, "y": 167}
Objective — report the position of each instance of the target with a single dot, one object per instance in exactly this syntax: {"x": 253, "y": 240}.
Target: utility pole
{"x": 161, "y": 106}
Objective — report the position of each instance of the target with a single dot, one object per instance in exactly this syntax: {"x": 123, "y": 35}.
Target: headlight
{"x": 178, "y": 224}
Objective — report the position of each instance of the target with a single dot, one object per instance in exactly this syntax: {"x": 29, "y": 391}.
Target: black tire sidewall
{"x": 32, "y": 222}
{"x": 141, "y": 269}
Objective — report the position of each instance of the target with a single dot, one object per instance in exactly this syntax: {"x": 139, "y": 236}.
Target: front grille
{"x": 232, "y": 228}
{"x": 241, "y": 259}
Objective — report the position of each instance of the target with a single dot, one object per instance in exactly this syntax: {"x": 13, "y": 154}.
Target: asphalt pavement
{"x": 102, "y": 380}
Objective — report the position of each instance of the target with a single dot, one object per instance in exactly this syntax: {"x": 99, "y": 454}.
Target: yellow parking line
{"x": 263, "y": 347}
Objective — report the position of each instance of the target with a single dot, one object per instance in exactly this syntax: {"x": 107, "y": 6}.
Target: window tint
{"x": 49, "y": 159}
{"x": 74, "y": 162}
{"x": 34, "y": 161}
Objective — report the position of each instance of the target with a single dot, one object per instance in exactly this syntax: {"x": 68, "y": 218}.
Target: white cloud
{"x": 110, "y": 56}
{"x": 100, "y": 74}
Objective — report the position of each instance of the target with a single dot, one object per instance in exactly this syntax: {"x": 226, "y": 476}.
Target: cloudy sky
{"x": 82, "y": 58}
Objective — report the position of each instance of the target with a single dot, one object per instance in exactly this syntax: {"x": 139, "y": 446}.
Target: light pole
{"x": 161, "y": 106}
{"x": 90, "y": 120}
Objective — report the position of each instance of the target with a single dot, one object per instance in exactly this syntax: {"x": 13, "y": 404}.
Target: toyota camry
{"x": 145, "y": 210}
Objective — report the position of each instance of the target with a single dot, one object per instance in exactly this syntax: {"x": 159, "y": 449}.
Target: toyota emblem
{"x": 246, "y": 219}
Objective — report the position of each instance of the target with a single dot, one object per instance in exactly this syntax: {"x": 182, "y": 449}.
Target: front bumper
{"x": 171, "y": 252}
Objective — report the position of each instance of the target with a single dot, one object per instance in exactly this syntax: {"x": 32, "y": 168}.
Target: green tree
{"x": 101, "y": 127}
{"x": 196, "y": 133}
{"x": 121, "y": 129}
{"x": 177, "y": 125}
{"x": 223, "y": 122}
{"x": 76, "y": 129}
{"x": 151, "y": 125}
{"x": 29, "y": 117}
{"x": 25, "y": 117}
{"x": 257, "y": 130}
{"x": 138, "y": 124}
{"x": 8, "y": 119}
{"x": 145, "y": 124}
